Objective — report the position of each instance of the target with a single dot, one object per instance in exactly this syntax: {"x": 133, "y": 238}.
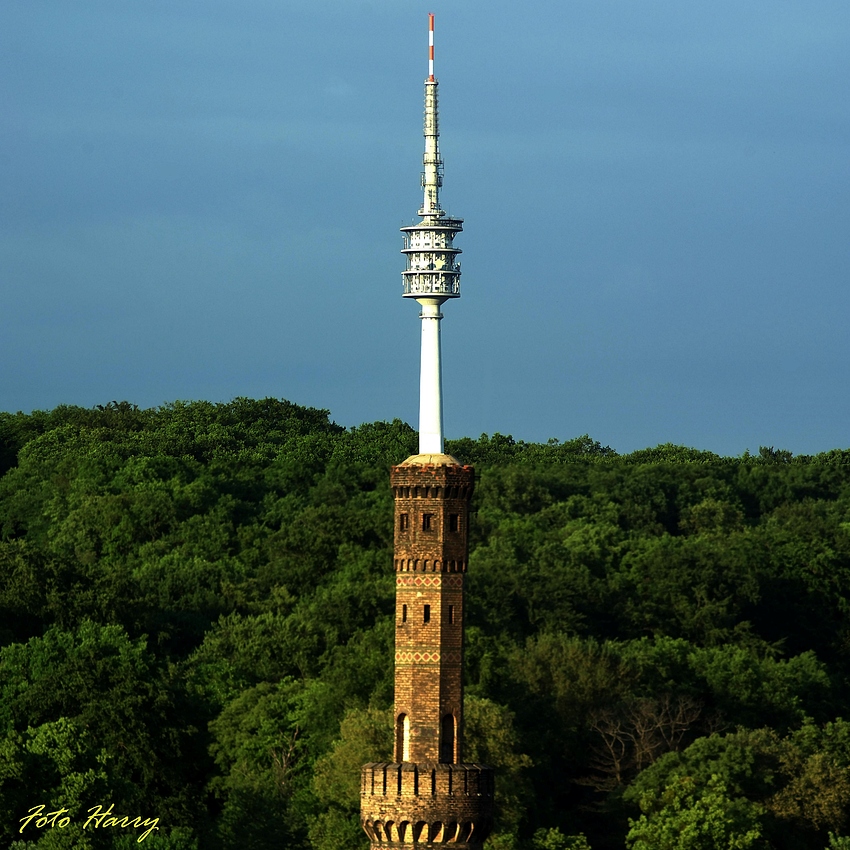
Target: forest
{"x": 196, "y": 629}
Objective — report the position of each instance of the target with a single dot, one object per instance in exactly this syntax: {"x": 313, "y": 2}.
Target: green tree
{"x": 365, "y": 735}
{"x": 490, "y": 738}
{"x": 258, "y": 748}
{"x": 685, "y": 817}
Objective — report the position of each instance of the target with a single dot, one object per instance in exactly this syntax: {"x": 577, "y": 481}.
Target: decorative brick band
{"x": 462, "y": 493}
{"x": 430, "y": 565}
{"x": 447, "y": 657}
{"x": 429, "y": 581}
{"x": 419, "y": 581}
{"x": 433, "y": 657}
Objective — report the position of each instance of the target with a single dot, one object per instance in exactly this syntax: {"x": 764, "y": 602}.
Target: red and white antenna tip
{"x": 430, "y": 45}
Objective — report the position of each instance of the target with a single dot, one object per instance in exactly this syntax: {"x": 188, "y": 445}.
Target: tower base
{"x": 427, "y": 805}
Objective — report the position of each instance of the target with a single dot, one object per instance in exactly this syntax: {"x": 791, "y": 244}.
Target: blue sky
{"x": 202, "y": 201}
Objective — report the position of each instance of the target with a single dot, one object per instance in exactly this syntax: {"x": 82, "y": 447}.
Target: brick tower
{"x": 428, "y": 797}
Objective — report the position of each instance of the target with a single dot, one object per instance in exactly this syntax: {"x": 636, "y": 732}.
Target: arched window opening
{"x": 402, "y": 738}
{"x": 447, "y": 739}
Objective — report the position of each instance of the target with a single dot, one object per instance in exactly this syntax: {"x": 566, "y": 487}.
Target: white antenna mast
{"x": 432, "y": 275}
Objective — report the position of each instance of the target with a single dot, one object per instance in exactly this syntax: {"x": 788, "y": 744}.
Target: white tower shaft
{"x": 430, "y": 380}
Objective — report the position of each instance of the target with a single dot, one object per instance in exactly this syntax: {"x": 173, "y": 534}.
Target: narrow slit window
{"x": 447, "y": 739}
{"x": 426, "y": 614}
{"x": 404, "y": 613}
{"x": 451, "y": 613}
{"x": 454, "y": 522}
{"x": 403, "y": 522}
{"x": 426, "y": 522}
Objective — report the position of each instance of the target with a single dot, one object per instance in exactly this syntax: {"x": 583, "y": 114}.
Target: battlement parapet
{"x": 426, "y": 803}
{"x": 441, "y": 481}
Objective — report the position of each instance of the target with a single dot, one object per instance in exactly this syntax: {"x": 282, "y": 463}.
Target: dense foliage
{"x": 196, "y": 626}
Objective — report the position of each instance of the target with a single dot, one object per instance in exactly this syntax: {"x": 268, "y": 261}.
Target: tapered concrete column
{"x": 430, "y": 379}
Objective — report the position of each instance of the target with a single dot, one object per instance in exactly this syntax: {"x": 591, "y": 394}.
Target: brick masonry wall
{"x": 431, "y": 552}
{"x": 428, "y": 797}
